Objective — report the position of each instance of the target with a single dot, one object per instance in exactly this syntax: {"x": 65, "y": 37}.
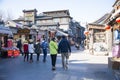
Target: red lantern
{"x": 107, "y": 27}
{"x": 118, "y": 20}
{"x": 86, "y": 32}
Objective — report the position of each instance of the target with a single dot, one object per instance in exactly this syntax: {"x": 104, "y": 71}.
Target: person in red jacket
{"x": 25, "y": 49}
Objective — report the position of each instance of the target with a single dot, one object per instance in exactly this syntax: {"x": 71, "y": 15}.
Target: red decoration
{"x": 10, "y": 53}
{"x": 13, "y": 53}
{"x": 118, "y": 20}
{"x": 107, "y": 27}
{"x": 16, "y": 53}
{"x": 86, "y": 32}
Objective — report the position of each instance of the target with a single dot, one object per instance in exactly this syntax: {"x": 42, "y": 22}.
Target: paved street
{"x": 82, "y": 66}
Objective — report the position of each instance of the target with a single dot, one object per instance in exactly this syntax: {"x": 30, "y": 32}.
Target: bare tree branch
{"x": 1, "y": 15}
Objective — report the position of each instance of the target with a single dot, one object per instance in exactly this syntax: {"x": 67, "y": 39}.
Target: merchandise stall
{"x": 6, "y": 43}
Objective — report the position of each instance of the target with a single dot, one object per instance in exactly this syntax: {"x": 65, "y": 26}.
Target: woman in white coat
{"x": 31, "y": 50}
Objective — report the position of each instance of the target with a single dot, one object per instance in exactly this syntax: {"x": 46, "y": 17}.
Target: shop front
{"x": 24, "y": 34}
{"x": 114, "y": 23}
{"x": 97, "y": 39}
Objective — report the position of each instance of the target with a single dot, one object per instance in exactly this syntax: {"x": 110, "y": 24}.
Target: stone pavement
{"x": 82, "y": 66}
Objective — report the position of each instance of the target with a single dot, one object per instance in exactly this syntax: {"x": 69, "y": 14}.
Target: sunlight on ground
{"x": 87, "y": 58}
{"x": 61, "y": 76}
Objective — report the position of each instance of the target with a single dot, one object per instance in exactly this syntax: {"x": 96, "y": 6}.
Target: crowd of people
{"x": 41, "y": 47}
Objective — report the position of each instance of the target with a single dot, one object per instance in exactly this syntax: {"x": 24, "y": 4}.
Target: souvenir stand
{"x": 6, "y": 43}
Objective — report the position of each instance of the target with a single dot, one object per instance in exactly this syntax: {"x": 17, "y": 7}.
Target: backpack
{"x": 44, "y": 45}
{"x": 37, "y": 48}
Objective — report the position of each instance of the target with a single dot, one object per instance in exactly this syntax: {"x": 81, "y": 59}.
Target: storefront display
{"x": 13, "y": 53}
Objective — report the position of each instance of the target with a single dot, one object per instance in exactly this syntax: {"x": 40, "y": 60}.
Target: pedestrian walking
{"x": 65, "y": 50}
{"x": 44, "y": 45}
{"x": 19, "y": 45}
{"x": 53, "y": 52}
{"x": 25, "y": 50}
{"x": 31, "y": 49}
{"x": 37, "y": 49}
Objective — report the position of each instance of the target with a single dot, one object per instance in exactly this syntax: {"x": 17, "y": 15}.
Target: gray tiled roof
{"x": 19, "y": 19}
{"x": 31, "y": 10}
{"x": 102, "y": 19}
{"x": 58, "y": 13}
{"x": 48, "y": 24}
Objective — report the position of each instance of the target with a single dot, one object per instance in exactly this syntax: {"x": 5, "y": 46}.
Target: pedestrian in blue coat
{"x": 44, "y": 46}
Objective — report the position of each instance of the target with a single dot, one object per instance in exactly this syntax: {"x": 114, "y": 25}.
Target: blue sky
{"x": 81, "y": 10}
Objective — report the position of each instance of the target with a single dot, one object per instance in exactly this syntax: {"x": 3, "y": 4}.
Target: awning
{"x": 5, "y": 30}
{"x": 60, "y": 33}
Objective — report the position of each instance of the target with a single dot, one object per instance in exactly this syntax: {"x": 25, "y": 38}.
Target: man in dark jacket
{"x": 19, "y": 45}
{"x": 65, "y": 50}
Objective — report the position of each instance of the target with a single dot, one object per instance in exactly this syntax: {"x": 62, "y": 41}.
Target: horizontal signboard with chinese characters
{"x": 23, "y": 31}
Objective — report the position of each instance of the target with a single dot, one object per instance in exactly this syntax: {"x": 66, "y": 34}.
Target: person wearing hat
{"x": 53, "y": 52}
